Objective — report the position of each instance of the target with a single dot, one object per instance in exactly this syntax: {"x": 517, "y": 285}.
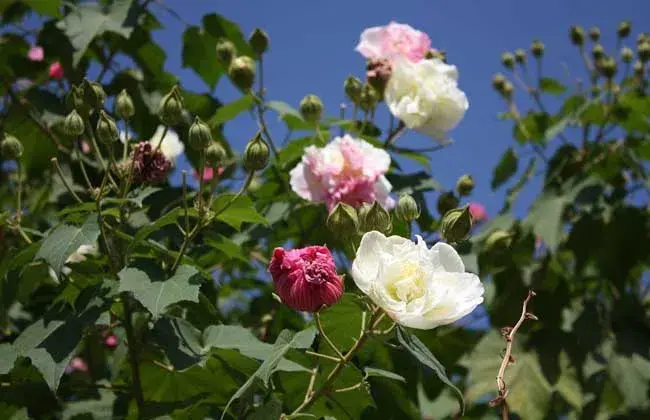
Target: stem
{"x": 19, "y": 193}
{"x": 82, "y": 165}
{"x": 187, "y": 214}
{"x": 91, "y": 134}
{"x": 394, "y": 134}
{"x": 312, "y": 381}
{"x": 55, "y": 163}
{"x": 133, "y": 351}
{"x": 125, "y": 150}
{"x": 323, "y": 356}
{"x": 329, "y": 342}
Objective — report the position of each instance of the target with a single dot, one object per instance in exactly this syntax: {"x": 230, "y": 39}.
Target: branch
{"x": 509, "y": 334}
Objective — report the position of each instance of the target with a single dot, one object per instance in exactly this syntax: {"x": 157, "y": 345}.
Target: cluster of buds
{"x": 11, "y": 148}
{"x": 503, "y": 86}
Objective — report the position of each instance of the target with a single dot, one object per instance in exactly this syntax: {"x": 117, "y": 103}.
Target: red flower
{"x": 150, "y": 165}
{"x": 110, "y": 341}
{"x": 56, "y": 70}
{"x": 306, "y": 278}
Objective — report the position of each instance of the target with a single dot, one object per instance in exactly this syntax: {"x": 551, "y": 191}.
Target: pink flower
{"x": 347, "y": 170}
{"x": 392, "y": 41}
{"x": 208, "y": 173}
{"x": 306, "y": 278}
{"x": 56, "y": 70}
{"x": 77, "y": 364}
{"x": 477, "y": 210}
{"x": 85, "y": 147}
{"x": 36, "y": 53}
{"x": 110, "y": 341}
{"x": 150, "y": 165}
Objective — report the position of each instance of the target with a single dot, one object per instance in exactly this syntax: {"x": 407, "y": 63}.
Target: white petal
{"x": 382, "y": 193}
{"x": 446, "y": 258}
{"x": 305, "y": 184}
{"x": 370, "y": 43}
{"x": 374, "y": 250}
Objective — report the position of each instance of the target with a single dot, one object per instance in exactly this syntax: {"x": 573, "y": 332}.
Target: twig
{"x": 133, "y": 352}
{"x": 329, "y": 342}
{"x": 312, "y": 381}
{"x": 55, "y": 163}
{"x": 394, "y": 134}
{"x": 509, "y": 334}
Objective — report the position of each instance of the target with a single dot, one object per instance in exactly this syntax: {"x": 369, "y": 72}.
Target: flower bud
{"x": 638, "y": 69}
{"x": 641, "y": 38}
{"x": 242, "y": 72}
{"x": 171, "y": 107}
{"x": 215, "y": 154}
{"x": 624, "y": 29}
{"x": 353, "y": 88}
{"x": 369, "y": 98}
{"x": 498, "y": 80}
{"x": 627, "y": 55}
{"x": 608, "y": 67}
{"x": 311, "y": 108}
{"x": 446, "y": 202}
{"x": 106, "y": 128}
{"x": 124, "y": 105}
{"x": 343, "y": 221}
{"x": 11, "y": 148}
{"x": 256, "y": 154}
{"x": 75, "y": 99}
{"x": 520, "y": 56}
{"x": 74, "y": 124}
{"x": 407, "y": 209}
{"x": 110, "y": 341}
{"x": 94, "y": 94}
{"x": 199, "y": 135}
{"x": 378, "y": 72}
{"x": 226, "y": 51}
{"x": 508, "y": 60}
{"x": 259, "y": 41}
{"x": 598, "y": 52}
{"x": 465, "y": 185}
{"x": 537, "y": 49}
{"x": 644, "y": 51}
{"x": 594, "y": 34}
{"x": 456, "y": 224}
{"x": 375, "y": 218}
{"x": 498, "y": 240}
{"x": 577, "y": 35}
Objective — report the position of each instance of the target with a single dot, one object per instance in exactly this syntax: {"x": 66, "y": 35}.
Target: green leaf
{"x": 342, "y": 322}
{"x": 572, "y": 109}
{"x": 383, "y": 374}
{"x": 505, "y": 169}
{"x": 289, "y": 115}
{"x": 231, "y": 249}
{"x": 38, "y": 150}
{"x": 200, "y": 54}
{"x": 88, "y": 20}
{"x": 65, "y": 240}
{"x": 418, "y": 350}
{"x": 156, "y": 296}
{"x": 220, "y": 27}
{"x": 568, "y": 385}
{"x": 236, "y": 212}
{"x": 286, "y": 341}
{"x": 169, "y": 218}
{"x": 295, "y": 149}
{"x": 532, "y": 127}
{"x": 229, "y": 111}
{"x": 631, "y": 375}
{"x": 513, "y": 192}
{"x": 101, "y": 408}
{"x": 549, "y": 85}
{"x": 45, "y": 7}
{"x": 545, "y": 218}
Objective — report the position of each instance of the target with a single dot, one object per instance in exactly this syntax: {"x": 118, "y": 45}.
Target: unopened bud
{"x": 343, "y": 221}
{"x": 594, "y": 34}
{"x": 171, "y": 107}
{"x": 226, "y": 51}
{"x": 353, "y": 88}
{"x": 639, "y": 69}
{"x": 577, "y": 35}
{"x": 242, "y": 72}
{"x": 11, "y": 148}
{"x": 407, "y": 209}
{"x": 508, "y": 90}
{"x": 498, "y": 240}
{"x": 74, "y": 124}
{"x": 508, "y": 60}
{"x": 199, "y": 135}
{"x": 94, "y": 94}
{"x": 256, "y": 154}
{"x": 465, "y": 185}
{"x": 259, "y": 41}
{"x": 498, "y": 80}
{"x": 641, "y": 38}
{"x": 369, "y": 98}
{"x": 598, "y": 52}
{"x": 311, "y": 108}
{"x": 75, "y": 99}
{"x": 456, "y": 224}
{"x": 124, "y": 105}
{"x": 644, "y": 51}
{"x": 376, "y": 218}
{"x": 446, "y": 202}
{"x": 537, "y": 49}
{"x": 608, "y": 67}
{"x": 215, "y": 154}
{"x": 627, "y": 55}
{"x": 520, "y": 56}
{"x": 624, "y": 29}
{"x": 106, "y": 128}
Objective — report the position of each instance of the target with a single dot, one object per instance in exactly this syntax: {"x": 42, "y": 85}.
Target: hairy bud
{"x": 594, "y": 34}
{"x": 11, "y": 148}
{"x": 641, "y": 38}
{"x": 215, "y": 154}
{"x": 624, "y": 29}
{"x": 627, "y": 55}
{"x": 199, "y": 135}
{"x": 343, "y": 221}
{"x": 226, "y": 51}
{"x": 171, "y": 107}
{"x": 537, "y": 49}
{"x": 608, "y": 67}
{"x": 577, "y": 35}
{"x": 465, "y": 185}
{"x": 375, "y": 217}
{"x": 520, "y": 56}
{"x": 106, "y": 128}
{"x": 369, "y": 98}
{"x": 259, "y": 41}
{"x": 124, "y": 105}
{"x": 456, "y": 224}
{"x": 94, "y": 94}
{"x": 644, "y": 51}
{"x": 242, "y": 72}
{"x": 639, "y": 69}
{"x": 75, "y": 100}
{"x": 256, "y": 154}
{"x": 353, "y": 88}
{"x": 74, "y": 124}
{"x": 508, "y": 60}
{"x": 407, "y": 209}
{"x": 311, "y": 108}
{"x": 498, "y": 240}
{"x": 446, "y": 202}
{"x": 598, "y": 52}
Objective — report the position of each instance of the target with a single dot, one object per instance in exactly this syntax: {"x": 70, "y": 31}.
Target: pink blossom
{"x": 208, "y": 173}
{"x": 85, "y": 147}
{"x": 477, "y": 210}
{"x": 306, "y": 278}
{"x": 347, "y": 170}
{"x": 393, "y": 41}
{"x": 77, "y": 364}
{"x": 56, "y": 70}
{"x": 36, "y": 53}
{"x": 110, "y": 341}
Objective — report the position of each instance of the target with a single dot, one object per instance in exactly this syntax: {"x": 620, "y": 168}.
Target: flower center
{"x": 315, "y": 273}
{"x": 410, "y": 283}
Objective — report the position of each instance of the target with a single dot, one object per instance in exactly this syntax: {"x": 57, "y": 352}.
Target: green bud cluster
{"x": 11, "y": 148}
{"x": 343, "y": 221}
{"x": 375, "y": 217}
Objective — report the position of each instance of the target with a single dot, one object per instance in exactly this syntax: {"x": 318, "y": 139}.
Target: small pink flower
{"x": 85, "y": 147}
{"x": 347, "y": 170}
{"x": 393, "y": 41}
{"x": 36, "y": 53}
{"x": 56, "y": 70}
{"x": 208, "y": 173}
{"x": 77, "y": 364}
{"x": 477, "y": 210}
{"x": 306, "y": 278}
{"x": 110, "y": 341}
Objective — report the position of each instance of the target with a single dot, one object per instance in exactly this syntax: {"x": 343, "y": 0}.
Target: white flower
{"x": 171, "y": 145}
{"x": 416, "y": 286}
{"x": 426, "y": 97}
{"x": 79, "y": 255}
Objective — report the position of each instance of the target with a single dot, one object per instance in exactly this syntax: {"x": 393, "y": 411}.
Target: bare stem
{"x": 55, "y": 163}
{"x": 133, "y": 352}
{"x": 329, "y": 342}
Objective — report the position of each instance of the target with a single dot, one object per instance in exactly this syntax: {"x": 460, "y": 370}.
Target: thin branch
{"x": 395, "y": 134}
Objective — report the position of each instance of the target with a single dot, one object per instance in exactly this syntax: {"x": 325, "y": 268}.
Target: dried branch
{"x": 509, "y": 335}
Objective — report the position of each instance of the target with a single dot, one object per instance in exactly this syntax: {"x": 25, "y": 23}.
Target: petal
{"x": 382, "y": 193}
{"x": 371, "y": 41}
{"x": 445, "y": 258}
{"x": 304, "y": 183}
{"x": 368, "y": 260}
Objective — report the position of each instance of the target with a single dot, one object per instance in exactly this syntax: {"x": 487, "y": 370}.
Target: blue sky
{"x": 312, "y": 51}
